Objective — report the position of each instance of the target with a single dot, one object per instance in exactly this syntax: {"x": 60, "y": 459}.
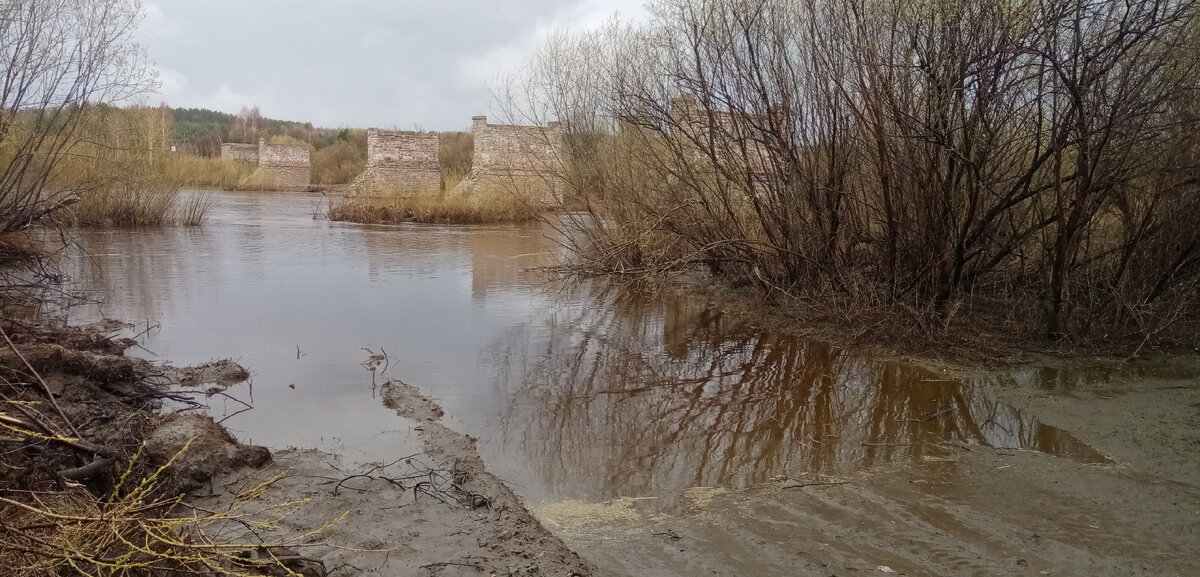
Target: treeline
{"x": 339, "y": 154}
{"x": 202, "y": 131}
{"x": 1025, "y": 166}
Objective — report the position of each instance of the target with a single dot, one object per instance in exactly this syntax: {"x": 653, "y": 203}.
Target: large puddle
{"x": 575, "y": 392}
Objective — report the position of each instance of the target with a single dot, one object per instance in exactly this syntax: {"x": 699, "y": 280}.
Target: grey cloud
{"x": 356, "y": 63}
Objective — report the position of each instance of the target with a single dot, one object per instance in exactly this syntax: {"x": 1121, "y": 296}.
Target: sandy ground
{"x": 438, "y": 513}
{"x": 974, "y": 511}
{"x": 1151, "y": 425}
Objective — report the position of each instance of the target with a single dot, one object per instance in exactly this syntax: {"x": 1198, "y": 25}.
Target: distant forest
{"x": 202, "y": 131}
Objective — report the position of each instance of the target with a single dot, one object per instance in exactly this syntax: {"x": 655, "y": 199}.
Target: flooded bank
{"x": 579, "y": 395}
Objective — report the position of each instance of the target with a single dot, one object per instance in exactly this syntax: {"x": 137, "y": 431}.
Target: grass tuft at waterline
{"x": 444, "y": 208}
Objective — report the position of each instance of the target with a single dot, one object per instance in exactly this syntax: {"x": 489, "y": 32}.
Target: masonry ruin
{"x": 240, "y": 152}
{"x": 283, "y": 166}
{"x": 733, "y": 139}
{"x": 401, "y": 161}
{"x": 526, "y": 160}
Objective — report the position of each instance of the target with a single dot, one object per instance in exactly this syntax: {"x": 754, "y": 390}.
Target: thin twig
{"x": 45, "y": 387}
{"x": 451, "y": 564}
{"x": 815, "y": 484}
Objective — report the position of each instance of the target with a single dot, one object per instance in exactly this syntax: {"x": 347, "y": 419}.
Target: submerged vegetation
{"x": 905, "y": 168}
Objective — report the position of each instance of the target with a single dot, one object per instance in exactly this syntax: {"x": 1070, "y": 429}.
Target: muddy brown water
{"x": 577, "y": 393}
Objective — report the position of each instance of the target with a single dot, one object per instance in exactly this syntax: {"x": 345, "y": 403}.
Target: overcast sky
{"x": 384, "y": 63}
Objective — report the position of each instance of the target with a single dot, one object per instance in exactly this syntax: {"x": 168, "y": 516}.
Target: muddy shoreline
{"x": 438, "y": 512}
{"x": 969, "y": 509}
{"x": 972, "y": 510}
{"x": 964, "y": 509}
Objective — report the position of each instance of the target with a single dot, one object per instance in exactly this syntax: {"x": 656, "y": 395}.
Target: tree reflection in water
{"x": 648, "y": 397}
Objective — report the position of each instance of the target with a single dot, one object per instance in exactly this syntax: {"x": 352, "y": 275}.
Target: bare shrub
{"x": 66, "y": 57}
{"x": 929, "y": 158}
{"x": 339, "y": 163}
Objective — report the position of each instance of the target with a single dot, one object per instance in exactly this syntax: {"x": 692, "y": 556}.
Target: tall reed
{"x": 193, "y": 208}
{"x": 193, "y": 171}
{"x": 122, "y": 174}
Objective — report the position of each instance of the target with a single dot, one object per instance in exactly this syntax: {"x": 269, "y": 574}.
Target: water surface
{"x": 574, "y": 391}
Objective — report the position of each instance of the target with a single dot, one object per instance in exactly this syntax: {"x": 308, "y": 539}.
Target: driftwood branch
{"x": 98, "y": 466}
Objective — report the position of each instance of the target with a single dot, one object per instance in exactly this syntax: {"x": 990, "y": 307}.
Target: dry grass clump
{"x": 145, "y": 200}
{"x": 257, "y": 180}
{"x": 138, "y": 531}
{"x": 451, "y": 177}
{"x": 442, "y": 208}
{"x": 340, "y": 162}
{"x": 105, "y": 497}
{"x": 126, "y": 205}
{"x": 203, "y": 172}
{"x": 134, "y": 206}
{"x": 193, "y": 209}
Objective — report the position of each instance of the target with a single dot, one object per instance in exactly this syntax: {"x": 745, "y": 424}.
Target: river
{"x": 577, "y": 392}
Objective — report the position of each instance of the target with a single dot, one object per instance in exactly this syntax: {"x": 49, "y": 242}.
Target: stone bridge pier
{"x": 509, "y": 158}
{"x": 404, "y": 162}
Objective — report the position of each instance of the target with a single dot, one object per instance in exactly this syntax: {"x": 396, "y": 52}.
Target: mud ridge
{"x": 436, "y": 513}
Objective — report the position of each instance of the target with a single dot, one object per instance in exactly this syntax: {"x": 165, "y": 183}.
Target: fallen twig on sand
{"x": 444, "y": 485}
{"x": 815, "y": 484}
{"x": 441, "y": 564}
{"x": 668, "y": 533}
